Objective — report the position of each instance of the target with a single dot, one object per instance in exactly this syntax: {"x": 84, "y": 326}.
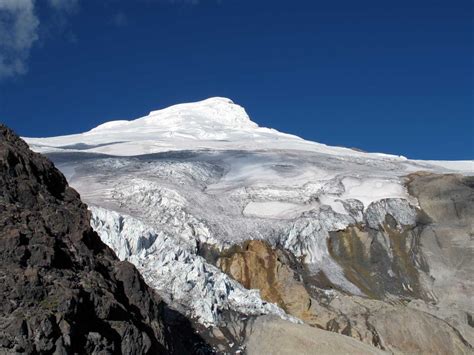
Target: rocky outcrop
{"x": 447, "y": 246}
{"x": 62, "y": 290}
{"x": 383, "y": 261}
{"x": 273, "y": 336}
{"x": 256, "y": 265}
{"x": 389, "y": 325}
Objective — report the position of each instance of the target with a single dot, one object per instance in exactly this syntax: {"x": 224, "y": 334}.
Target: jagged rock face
{"x": 381, "y": 262}
{"x": 429, "y": 263}
{"x": 62, "y": 290}
{"x": 256, "y": 265}
{"x": 281, "y": 280}
{"x": 447, "y": 246}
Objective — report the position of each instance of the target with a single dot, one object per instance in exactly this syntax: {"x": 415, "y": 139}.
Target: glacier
{"x": 164, "y": 186}
{"x": 181, "y": 277}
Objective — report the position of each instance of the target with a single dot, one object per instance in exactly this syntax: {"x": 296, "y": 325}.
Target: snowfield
{"x": 162, "y": 186}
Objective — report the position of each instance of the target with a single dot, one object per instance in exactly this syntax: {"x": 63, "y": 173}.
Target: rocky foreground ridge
{"x": 62, "y": 290}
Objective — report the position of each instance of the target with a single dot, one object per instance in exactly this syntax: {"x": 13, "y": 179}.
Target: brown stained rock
{"x": 388, "y": 326}
{"x": 257, "y": 266}
{"x": 381, "y": 263}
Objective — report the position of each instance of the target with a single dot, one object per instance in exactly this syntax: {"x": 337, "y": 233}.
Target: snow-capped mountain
{"x": 177, "y": 191}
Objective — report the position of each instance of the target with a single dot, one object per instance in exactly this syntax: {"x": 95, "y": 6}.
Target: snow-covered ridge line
{"x": 214, "y": 123}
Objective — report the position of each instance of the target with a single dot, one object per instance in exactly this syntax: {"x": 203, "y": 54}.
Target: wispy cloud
{"x": 119, "y": 19}
{"x": 191, "y": 2}
{"x": 18, "y": 32}
{"x": 20, "y": 28}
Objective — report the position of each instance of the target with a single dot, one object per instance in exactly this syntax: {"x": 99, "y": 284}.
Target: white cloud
{"x": 20, "y": 28}
{"x": 18, "y": 32}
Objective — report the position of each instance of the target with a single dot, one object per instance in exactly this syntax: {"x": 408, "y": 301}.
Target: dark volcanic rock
{"x": 62, "y": 290}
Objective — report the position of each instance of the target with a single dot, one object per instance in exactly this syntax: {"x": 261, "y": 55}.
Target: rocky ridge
{"x": 63, "y": 290}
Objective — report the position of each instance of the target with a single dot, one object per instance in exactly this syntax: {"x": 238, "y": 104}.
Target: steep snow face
{"x": 216, "y": 124}
{"x": 197, "y": 125}
{"x": 204, "y": 174}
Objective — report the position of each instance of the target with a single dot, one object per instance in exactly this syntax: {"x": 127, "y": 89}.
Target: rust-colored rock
{"x": 389, "y": 326}
{"x": 257, "y": 266}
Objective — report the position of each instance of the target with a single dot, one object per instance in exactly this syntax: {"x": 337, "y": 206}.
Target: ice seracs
{"x": 180, "y": 276}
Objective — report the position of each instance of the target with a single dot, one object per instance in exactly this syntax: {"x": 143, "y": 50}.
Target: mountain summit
{"x": 213, "y": 114}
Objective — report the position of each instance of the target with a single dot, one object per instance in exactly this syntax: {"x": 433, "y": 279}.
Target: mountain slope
{"x": 202, "y": 184}
{"x": 63, "y": 290}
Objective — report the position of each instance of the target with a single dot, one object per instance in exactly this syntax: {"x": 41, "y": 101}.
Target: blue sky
{"x": 386, "y": 76}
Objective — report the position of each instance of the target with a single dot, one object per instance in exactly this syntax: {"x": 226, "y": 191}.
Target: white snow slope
{"x": 163, "y": 185}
